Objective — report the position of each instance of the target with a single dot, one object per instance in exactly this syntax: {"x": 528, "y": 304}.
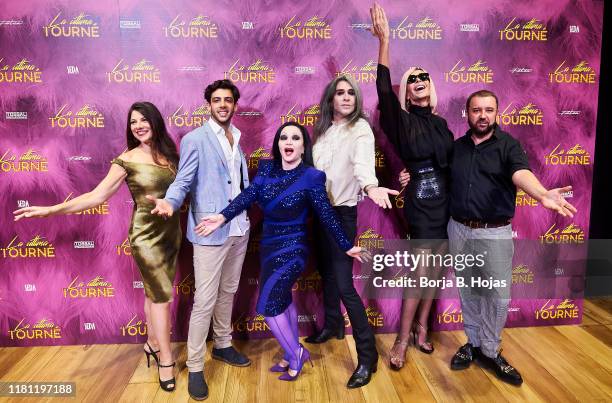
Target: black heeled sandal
{"x": 150, "y": 353}
{"x": 170, "y": 384}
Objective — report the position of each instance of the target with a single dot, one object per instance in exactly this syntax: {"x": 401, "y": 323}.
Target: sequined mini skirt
{"x": 427, "y": 181}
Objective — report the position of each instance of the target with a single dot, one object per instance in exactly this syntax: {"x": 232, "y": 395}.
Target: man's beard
{"x": 480, "y": 132}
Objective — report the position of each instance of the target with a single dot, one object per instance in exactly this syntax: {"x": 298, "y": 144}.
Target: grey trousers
{"x": 484, "y": 310}
{"x": 217, "y": 275}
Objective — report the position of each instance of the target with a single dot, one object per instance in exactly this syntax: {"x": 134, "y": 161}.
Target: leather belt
{"x": 475, "y": 224}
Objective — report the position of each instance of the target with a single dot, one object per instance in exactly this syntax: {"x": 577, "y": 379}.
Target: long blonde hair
{"x": 433, "y": 98}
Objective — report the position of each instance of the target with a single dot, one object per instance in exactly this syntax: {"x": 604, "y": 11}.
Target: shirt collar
{"x": 496, "y": 135}
{"x": 218, "y": 130}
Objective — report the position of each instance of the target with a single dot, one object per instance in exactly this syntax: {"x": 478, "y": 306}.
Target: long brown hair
{"x": 327, "y": 106}
{"x": 161, "y": 143}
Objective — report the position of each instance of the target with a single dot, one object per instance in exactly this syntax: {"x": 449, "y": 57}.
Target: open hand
{"x": 209, "y": 224}
{"x": 359, "y": 253}
{"x": 162, "y": 207}
{"x": 380, "y": 196}
{"x": 554, "y": 200}
{"x": 32, "y": 211}
{"x": 380, "y": 24}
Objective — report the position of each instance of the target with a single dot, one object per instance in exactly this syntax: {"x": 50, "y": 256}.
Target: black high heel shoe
{"x": 170, "y": 384}
{"x": 150, "y": 353}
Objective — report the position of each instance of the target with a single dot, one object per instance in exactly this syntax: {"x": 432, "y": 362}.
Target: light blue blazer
{"x": 203, "y": 173}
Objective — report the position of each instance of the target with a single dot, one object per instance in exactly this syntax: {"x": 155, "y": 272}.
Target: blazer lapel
{"x": 216, "y": 145}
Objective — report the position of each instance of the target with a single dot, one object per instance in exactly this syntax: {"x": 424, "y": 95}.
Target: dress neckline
{"x": 143, "y": 163}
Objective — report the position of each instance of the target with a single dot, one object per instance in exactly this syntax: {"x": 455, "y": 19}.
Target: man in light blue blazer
{"x": 213, "y": 170}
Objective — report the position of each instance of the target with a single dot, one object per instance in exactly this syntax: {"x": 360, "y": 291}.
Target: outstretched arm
{"x": 105, "y": 189}
{"x": 551, "y": 199}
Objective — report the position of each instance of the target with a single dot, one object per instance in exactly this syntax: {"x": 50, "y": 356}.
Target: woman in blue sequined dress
{"x": 286, "y": 188}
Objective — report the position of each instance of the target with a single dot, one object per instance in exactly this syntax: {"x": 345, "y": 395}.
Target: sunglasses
{"x": 422, "y": 76}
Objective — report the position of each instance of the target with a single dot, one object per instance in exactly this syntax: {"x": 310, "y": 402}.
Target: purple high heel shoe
{"x": 279, "y": 368}
{"x": 303, "y": 356}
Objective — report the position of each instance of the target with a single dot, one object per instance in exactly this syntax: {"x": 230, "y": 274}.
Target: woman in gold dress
{"x": 148, "y": 167}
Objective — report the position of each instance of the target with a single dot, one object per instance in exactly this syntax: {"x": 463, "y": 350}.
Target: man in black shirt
{"x": 488, "y": 165}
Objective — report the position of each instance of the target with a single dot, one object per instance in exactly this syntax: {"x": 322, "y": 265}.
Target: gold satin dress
{"x": 154, "y": 241}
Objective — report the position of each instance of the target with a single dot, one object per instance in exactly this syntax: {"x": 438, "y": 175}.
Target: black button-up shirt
{"x": 481, "y": 186}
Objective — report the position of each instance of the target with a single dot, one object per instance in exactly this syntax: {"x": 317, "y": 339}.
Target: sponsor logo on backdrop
{"x": 423, "y": 29}
{"x": 569, "y": 113}
{"x": 576, "y": 155}
{"x": 199, "y": 26}
{"x": 574, "y": 29}
{"x": 101, "y": 209}
{"x": 186, "y": 286}
{"x": 522, "y": 274}
{"x": 314, "y": 27}
{"x": 37, "y": 247}
{"x": 362, "y": 73}
{"x": 516, "y": 30}
{"x": 375, "y": 318}
{"x": 247, "y": 25}
{"x": 78, "y": 158}
{"x": 250, "y": 324}
{"x": 565, "y": 309}
{"x": 305, "y": 117}
{"x": 515, "y": 70}
{"x": 89, "y": 326}
{"x": 72, "y": 70}
{"x": 311, "y": 282}
{"x": 43, "y": 329}
{"x": 469, "y": 28}
{"x": 81, "y": 26}
{"x": 129, "y": 24}
{"x": 11, "y": 22}
{"x": 21, "y": 72}
{"x": 124, "y": 249}
{"x": 399, "y": 199}
{"x": 23, "y": 203}
{"x": 370, "y": 239}
{"x": 451, "y": 314}
{"x": 307, "y": 318}
{"x": 143, "y": 71}
{"x": 94, "y": 288}
{"x": 253, "y": 162}
{"x": 570, "y": 234}
{"x": 256, "y": 72}
{"x": 30, "y": 161}
{"x": 29, "y": 287}
{"x": 304, "y": 70}
{"x": 249, "y": 113}
{"x": 192, "y": 68}
{"x": 134, "y": 327}
{"x": 477, "y": 72}
{"x": 183, "y": 117}
{"x": 580, "y": 73}
{"x": 379, "y": 158}
{"x": 520, "y": 115}
{"x": 137, "y": 285}
{"x": 87, "y": 116}
{"x": 84, "y": 244}
{"x": 16, "y": 115}
{"x": 523, "y": 199}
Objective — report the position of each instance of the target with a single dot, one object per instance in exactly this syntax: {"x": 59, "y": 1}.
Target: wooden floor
{"x": 561, "y": 364}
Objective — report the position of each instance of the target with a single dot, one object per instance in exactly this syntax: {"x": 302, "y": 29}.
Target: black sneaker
{"x": 464, "y": 356}
{"x": 502, "y": 369}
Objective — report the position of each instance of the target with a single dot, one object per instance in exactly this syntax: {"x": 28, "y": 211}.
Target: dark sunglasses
{"x": 422, "y": 76}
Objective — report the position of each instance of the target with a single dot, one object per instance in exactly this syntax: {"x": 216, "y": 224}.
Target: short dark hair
{"x": 222, "y": 84}
{"x": 306, "y": 158}
{"x": 482, "y": 94}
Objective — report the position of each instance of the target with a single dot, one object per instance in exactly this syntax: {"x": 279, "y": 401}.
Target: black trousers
{"x": 336, "y": 269}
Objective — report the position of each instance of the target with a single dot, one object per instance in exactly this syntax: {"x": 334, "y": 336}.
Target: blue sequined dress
{"x": 286, "y": 197}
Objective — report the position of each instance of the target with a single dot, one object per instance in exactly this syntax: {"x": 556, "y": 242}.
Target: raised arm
{"x": 380, "y": 29}
{"x": 105, "y": 189}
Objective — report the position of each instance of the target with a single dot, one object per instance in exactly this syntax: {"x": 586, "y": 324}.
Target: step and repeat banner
{"x": 69, "y": 70}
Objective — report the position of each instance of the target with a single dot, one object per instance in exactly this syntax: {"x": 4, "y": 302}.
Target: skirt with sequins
{"x": 283, "y": 259}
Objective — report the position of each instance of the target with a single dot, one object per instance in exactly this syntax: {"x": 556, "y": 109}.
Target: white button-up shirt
{"x": 232, "y": 158}
{"x": 346, "y": 155}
